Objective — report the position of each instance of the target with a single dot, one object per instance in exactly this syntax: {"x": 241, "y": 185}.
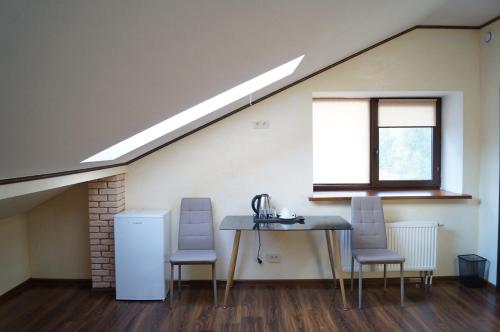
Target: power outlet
{"x": 261, "y": 124}
{"x": 273, "y": 258}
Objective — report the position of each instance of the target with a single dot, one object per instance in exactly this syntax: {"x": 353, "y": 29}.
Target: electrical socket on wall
{"x": 261, "y": 124}
{"x": 273, "y": 258}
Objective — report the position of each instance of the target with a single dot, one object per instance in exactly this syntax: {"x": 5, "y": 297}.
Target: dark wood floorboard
{"x": 447, "y": 306}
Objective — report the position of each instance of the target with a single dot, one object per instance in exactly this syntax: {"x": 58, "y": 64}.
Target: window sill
{"x": 387, "y": 194}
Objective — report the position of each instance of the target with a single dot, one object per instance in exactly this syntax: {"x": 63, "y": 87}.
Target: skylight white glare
{"x": 191, "y": 114}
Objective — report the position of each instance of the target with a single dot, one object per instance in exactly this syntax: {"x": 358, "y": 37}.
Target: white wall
{"x": 490, "y": 87}
{"x": 14, "y": 258}
{"x": 49, "y": 241}
{"x": 230, "y": 162}
{"x": 58, "y": 236}
{"x": 452, "y": 142}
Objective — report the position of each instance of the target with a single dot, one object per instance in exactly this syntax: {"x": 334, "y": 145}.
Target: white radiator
{"x": 414, "y": 240}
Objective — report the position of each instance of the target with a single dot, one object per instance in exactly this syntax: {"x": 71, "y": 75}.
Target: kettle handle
{"x": 257, "y": 197}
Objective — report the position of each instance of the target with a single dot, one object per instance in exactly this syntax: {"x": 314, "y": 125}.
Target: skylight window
{"x": 196, "y": 112}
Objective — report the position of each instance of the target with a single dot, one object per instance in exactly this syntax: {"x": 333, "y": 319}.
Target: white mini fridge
{"x": 142, "y": 250}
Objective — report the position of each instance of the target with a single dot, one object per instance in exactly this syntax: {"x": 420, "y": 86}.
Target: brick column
{"x": 106, "y": 198}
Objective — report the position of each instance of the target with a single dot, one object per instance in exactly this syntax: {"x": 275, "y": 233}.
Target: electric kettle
{"x": 261, "y": 205}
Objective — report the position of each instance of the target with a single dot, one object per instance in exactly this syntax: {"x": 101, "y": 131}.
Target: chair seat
{"x": 377, "y": 256}
{"x": 193, "y": 256}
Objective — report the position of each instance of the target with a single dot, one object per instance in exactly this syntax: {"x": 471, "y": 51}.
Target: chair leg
{"x": 352, "y": 273}
{"x": 402, "y": 285}
{"x": 179, "y": 279}
{"x": 171, "y": 295}
{"x": 360, "y": 284}
{"x": 385, "y": 277}
{"x": 214, "y": 284}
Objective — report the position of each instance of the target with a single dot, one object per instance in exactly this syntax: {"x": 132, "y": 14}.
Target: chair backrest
{"x": 367, "y": 219}
{"x": 195, "y": 224}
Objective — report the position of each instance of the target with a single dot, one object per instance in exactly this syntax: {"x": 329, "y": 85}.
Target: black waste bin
{"x": 472, "y": 270}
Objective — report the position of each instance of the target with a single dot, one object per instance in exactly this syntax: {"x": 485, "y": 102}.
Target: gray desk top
{"x": 311, "y": 223}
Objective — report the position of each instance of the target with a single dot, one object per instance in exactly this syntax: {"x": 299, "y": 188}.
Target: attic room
{"x": 250, "y": 165}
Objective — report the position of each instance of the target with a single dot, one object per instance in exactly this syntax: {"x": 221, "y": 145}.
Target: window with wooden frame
{"x": 376, "y": 143}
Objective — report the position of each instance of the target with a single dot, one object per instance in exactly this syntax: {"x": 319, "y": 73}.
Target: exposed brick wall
{"x": 106, "y": 198}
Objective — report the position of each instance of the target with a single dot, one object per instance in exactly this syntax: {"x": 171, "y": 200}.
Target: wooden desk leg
{"x": 330, "y": 256}
{"x": 232, "y": 265}
{"x": 340, "y": 271}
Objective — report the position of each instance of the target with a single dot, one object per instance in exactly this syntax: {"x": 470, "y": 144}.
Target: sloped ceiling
{"x": 80, "y": 76}
{"x": 21, "y": 197}
{"x": 20, "y": 204}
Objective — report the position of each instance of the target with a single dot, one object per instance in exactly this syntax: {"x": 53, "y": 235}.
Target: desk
{"x": 328, "y": 224}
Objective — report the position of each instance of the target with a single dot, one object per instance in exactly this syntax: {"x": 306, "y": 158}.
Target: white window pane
{"x": 405, "y": 154}
{"x": 407, "y": 113}
{"x": 341, "y": 141}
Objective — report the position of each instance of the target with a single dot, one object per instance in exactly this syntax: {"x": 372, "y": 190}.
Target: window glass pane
{"x": 407, "y": 113}
{"x": 405, "y": 154}
{"x": 341, "y": 141}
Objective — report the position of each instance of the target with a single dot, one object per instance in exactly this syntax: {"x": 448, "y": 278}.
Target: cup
{"x": 286, "y": 214}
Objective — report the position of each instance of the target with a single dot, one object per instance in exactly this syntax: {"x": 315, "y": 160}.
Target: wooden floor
{"x": 446, "y": 307}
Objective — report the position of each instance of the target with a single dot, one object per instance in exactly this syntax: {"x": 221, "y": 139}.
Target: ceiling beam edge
{"x": 50, "y": 181}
